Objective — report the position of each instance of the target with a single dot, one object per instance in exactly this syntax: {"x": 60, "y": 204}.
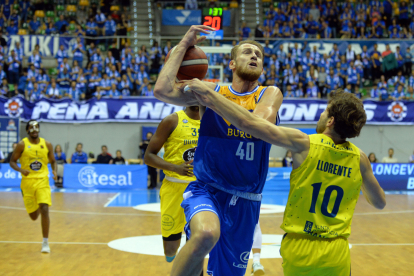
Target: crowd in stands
{"x": 339, "y": 19}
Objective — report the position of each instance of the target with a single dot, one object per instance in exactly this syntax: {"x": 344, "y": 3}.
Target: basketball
{"x": 194, "y": 65}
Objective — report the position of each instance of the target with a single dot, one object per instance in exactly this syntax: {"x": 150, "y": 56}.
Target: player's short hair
{"x": 79, "y": 144}
{"x": 28, "y": 124}
{"x": 104, "y": 146}
{"x": 348, "y": 112}
{"x": 236, "y": 48}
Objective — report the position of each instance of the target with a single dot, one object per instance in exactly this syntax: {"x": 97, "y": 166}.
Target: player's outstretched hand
{"x": 25, "y": 172}
{"x": 185, "y": 169}
{"x": 191, "y": 39}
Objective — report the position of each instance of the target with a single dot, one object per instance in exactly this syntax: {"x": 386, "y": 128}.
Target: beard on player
{"x": 321, "y": 125}
{"x": 248, "y": 73}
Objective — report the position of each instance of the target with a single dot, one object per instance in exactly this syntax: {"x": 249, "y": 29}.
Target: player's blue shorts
{"x": 238, "y": 218}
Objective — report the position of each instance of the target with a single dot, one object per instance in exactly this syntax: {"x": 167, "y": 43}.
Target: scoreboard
{"x": 212, "y": 17}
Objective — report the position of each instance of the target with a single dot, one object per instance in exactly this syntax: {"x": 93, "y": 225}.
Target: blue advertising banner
{"x": 325, "y": 46}
{"x": 188, "y": 17}
{"x": 9, "y": 134}
{"x": 149, "y": 109}
{"x": 394, "y": 176}
{"x": 127, "y": 109}
{"x": 48, "y": 45}
{"x": 101, "y": 176}
{"x": 10, "y": 178}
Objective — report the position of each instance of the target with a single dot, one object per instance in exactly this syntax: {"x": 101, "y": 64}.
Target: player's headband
{"x": 35, "y": 126}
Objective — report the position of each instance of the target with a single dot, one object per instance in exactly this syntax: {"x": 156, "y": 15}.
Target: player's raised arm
{"x": 165, "y": 88}
{"x": 290, "y": 138}
{"x": 370, "y": 187}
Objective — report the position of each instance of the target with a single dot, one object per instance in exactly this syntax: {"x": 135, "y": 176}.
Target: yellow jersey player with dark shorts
{"x": 35, "y": 153}
{"x": 328, "y": 175}
{"x": 178, "y": 133}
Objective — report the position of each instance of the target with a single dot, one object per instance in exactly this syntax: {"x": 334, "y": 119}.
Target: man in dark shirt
{"x": 7, "y": 160}
{"x": 104, "y": 157}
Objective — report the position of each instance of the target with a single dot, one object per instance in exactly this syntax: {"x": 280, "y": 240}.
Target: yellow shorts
{"x": 172, "y": 215}
{"x": 35, "y": 191}
{"x": 307, "y": 255}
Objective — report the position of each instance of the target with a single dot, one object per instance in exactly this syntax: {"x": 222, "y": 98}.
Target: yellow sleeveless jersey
{"x": 35, "y": 158}
{"x": 181, "y": 145}
{"x": 324, "y": 190}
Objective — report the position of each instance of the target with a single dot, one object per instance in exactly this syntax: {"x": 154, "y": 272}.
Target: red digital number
{"x": 214, "y": 22}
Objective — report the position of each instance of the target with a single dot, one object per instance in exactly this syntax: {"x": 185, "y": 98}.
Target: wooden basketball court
{"x": 81, "y": 228}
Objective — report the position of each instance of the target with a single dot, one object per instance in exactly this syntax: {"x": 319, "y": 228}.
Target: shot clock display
{"x": 213, "y": 17}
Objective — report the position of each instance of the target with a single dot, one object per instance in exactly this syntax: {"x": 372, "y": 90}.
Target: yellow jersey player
{"x": 328, "y": 174}
{"x": 178, "y": 133}
{"x": 35, "y": 153}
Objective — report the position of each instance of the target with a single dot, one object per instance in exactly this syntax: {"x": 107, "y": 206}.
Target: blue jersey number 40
{"x": 245, "y": 152}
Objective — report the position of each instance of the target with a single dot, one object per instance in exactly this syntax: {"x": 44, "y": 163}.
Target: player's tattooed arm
{"x": 370, "y": 187}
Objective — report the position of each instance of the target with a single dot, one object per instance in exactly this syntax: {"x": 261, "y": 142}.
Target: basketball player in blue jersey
{"x": 327, "y": 177}
{"x": 222, "y": 207}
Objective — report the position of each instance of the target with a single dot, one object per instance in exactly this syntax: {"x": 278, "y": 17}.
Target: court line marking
{"x": 111, "y": 199}
{"x": 158, "y": 214}
{"x": 88, "y": 213}
{"x": 103, "y": 243}
{"x": 83, "y": 243}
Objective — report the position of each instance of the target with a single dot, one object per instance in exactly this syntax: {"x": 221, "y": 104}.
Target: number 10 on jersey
{"x": 245, "y": 151}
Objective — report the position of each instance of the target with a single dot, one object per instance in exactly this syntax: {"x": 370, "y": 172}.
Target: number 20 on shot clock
{"x": 213, "y": 17}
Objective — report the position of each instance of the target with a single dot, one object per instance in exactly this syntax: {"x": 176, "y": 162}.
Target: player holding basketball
{"x": 35, "y": 153}
{"x": 222, "y": 207}
{"x": 178, "y": 133}
{"x": 328, "y": 174}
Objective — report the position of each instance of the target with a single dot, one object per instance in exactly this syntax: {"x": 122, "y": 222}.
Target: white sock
{"x": 256, "y": 258}
{"x": 45, "y": 239}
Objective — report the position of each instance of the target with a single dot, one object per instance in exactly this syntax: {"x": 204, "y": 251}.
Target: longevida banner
{"x": 102, "y": 176}
{"x": 11, "y": 178}
{"x": 394, "y": 176}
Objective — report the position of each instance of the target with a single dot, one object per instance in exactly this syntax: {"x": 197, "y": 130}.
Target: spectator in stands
{"x": 74, "y": 92}
{"x": 119, "y": 160}
{"x": 104, "y": 157}
{"x": 94, "y": 81}
{"x": 91, "y": 30}
{"x": 152, "y": 172}
{"x": 376, "y": 63}
{"x": 390, "y": 158}
{"x": 109, "y": 30}
{"x": 12, "y": 29}
{"x": 398, "y": 94}
{"x": 61, "y": 54}
{"x": 22, "y": 83}
{"x": 244, "y": 31}
{"x": 372, "y": 158}
{"x": 326, "y": 31}
{"x": 4, "y": 89}
{"x": 35, "y": 59}
{"x": 53, "y": 92}
{"x": 312, "y": 27}
{"x": 96, "y": 60}
{"x": 409, "y": 96}
{"x": 78, "y": 51}
{"x": 146, "y": 89}
{"x": 61, "y": 24}
{"x": 407, "y": 62}
{"x": 64, "y": 80}
{"x": 312, "y": 91}
{"x": 64, "y": 65}
{"x": 34, "y": 25}
{"x": 191, "y": 5}
{"x": 125, "y": 86}
{"x": 60, "y": 156}
{"x": 81, "y": 82}
{"x": 167, "y": 47}
{"x": 114, "y": 92}
{"x": 287, "y": 160}
{"x": 14, "y": 64}
{"x": 79, "y": 156}
{"x": 100, "y": 21}
{"x": 42, "y": 79}
{"x": 51, "y": 29}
